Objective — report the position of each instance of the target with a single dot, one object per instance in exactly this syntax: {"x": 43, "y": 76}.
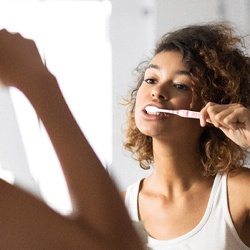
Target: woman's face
{"x": 167, "y": 84}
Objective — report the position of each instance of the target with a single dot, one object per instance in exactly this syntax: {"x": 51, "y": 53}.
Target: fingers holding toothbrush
{"x": 230, "y": 115}
{"x": 232, "y": 119}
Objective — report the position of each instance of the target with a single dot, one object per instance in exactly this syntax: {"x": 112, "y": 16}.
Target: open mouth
{"x": 157, "y": 113}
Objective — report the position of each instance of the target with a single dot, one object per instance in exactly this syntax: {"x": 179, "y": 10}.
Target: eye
{"x": 149, "y": 81}
{"x": 181, "y": 86}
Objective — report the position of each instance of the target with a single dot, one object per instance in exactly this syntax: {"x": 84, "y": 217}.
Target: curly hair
{"x": 220, "y": 73}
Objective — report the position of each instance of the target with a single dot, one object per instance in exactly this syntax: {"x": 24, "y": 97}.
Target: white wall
{"x": 173, "y": 14}
{"x": 13, "y": 158}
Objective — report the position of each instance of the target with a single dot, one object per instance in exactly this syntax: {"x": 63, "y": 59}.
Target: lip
{"x": 154, "y": 105}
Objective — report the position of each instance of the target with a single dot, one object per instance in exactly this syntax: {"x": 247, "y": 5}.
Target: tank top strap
{"x": 131, "y": 200}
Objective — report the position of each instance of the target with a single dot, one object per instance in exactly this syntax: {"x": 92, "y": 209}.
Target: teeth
{"x": 156, "y": 113}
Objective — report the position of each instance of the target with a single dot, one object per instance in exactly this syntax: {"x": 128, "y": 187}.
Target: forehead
{"x": 168, "y": 63}
{"x": 168, "y": 60}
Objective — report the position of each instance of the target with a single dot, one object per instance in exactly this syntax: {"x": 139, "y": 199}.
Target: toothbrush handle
{"x": 188, "y": 114}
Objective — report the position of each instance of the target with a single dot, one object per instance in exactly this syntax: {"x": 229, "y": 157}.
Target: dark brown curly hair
{"x": 220, "y": 73}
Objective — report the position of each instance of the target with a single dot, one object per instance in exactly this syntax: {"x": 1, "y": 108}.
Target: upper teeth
{"x": 156, "y": 113}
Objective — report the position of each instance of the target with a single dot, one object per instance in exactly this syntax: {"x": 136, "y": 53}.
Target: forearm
{"x": 94, "y": 197}
{"x": 98, "y": 209}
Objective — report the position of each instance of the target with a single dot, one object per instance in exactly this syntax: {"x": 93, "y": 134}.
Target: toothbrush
{"x": 181, "y": 112}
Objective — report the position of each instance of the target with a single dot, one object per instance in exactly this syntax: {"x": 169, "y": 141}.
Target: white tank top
{"x": 214, "y": 232}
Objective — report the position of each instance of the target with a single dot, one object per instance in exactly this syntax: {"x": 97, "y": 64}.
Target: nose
{"x": 159, "y": 92}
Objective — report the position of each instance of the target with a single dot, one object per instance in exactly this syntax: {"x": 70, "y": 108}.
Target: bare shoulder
{"x": 239, "y": 189}
{"x": 240, "y": 178}
{"x": 239, "y": 202}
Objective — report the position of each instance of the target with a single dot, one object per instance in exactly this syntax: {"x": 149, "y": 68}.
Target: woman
{"x": 198, "y": 194}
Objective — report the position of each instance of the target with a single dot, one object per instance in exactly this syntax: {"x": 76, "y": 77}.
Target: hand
{"x": 20, "y": 62}
{"x": 232, "y": 119}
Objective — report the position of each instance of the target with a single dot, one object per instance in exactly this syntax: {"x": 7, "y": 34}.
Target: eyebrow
{"x": 177, "y": 72}
{"x": 153, "y": 66}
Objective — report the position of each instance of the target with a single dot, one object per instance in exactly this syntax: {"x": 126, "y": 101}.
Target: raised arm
{"x": 97, "y": 206}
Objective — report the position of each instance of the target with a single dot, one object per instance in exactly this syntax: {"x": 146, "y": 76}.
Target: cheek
{"x": 185, "y": 102}
{"x": 138, "y": 102}
{"x": 181, "y": 103}
{"x": 139, "y": 121}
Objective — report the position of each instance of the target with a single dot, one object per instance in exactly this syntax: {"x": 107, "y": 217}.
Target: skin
{"x": 177, "y": 186}
{"x": 99, "y": 219}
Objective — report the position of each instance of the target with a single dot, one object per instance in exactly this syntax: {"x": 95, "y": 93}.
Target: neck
{"x": 177, "y": 167}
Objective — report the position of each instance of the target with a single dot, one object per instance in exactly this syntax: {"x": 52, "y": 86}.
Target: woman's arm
{"x": 232, "y": 119}
{"x": 97, "y": 206}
